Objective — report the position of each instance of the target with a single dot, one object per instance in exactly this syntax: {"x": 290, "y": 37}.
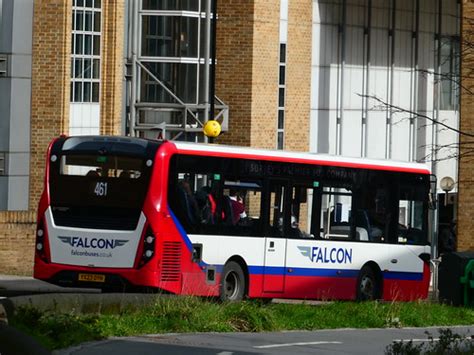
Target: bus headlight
{"x": 149, "y": 253}
{"x": 39, "y": 246}
{"x": 40, "y": 233}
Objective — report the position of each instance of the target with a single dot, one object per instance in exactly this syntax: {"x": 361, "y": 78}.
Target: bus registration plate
{"x": 92, "y": 277}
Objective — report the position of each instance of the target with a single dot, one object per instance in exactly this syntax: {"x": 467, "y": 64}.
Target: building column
{"x": 298, "y": 75}
{"x": 465, "y": 223}
{"x": 50, "y": 87}
{"x": 112, "y": 67}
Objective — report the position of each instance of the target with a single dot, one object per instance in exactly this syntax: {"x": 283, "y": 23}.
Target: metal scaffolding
{"x": 169, "y": 69}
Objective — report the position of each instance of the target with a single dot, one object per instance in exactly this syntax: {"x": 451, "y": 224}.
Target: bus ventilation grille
{"x": 171, "y": 261}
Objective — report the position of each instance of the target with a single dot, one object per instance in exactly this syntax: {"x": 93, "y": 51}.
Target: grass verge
{"x": 190, "y": 314}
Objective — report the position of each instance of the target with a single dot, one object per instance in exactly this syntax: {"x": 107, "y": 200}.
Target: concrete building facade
{"x": 296, "y": 75}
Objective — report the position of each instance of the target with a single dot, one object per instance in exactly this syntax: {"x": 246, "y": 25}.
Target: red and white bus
{"x": 232, "y": 222}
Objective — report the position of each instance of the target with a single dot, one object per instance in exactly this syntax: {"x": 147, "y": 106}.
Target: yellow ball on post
{"x": 212, "y": 128}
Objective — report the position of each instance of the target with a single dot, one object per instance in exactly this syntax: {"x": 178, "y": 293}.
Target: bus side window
{"x": 301, "y": 212}
{"x": 335, "y": 213}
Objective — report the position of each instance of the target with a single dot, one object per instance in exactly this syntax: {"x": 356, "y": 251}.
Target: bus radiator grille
{"x": 171, "y": 261}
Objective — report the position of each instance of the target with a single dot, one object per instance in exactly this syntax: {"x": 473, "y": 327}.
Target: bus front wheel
{"x": 368, "y": 288}
{"x": 232, "y": 282}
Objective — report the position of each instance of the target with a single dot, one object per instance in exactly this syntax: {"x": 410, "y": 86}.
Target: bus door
{"x": 275, "y": 241}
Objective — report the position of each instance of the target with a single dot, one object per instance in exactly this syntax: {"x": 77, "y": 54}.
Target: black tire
{"x": 232, "y": 282}
{"x": 368, "y": 285}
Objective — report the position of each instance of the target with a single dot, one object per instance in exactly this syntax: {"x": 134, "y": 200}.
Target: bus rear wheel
{"x": 368, "y": 286}
{"x": 232, "y": 282}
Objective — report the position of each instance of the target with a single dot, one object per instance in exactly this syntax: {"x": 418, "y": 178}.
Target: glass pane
{"x": 88, "y": 21}
{"x": 96, "y": 21}
{"x": 96, "y": 45}
{"x": 80, "y": 3}
{"x": 281, "y": 119}
{"x": 96, "y": 69}
{"x": 277, "y": 196}
{"x": 87, "y": 92}
{"x": 170, "y": 36}
{"x": 281, "y": 97}
{"x": 79, "y": 20}
{"x": 87, "y": 68}
{"x": 87, "y": 44}
{"x": 74, "y": 20}
{"x": 88, "y": 3}
{"x": 71, "y": 98}
{"x": 189, "y": 5}
{"x": 282, "y": 75}
{"x": 95, "y": 92}
{"x": 97, "y": 4}
{"x": 280, "y": 140}
{"x": 78, "y": 68}
{"x": 77, "y": 91}
{"x": 181, "y": 79}
{"x": 282, "y": 52}
{"x": 78, "y": 45}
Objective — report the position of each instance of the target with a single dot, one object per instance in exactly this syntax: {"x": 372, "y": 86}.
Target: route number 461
{"x": 100, "y": 189}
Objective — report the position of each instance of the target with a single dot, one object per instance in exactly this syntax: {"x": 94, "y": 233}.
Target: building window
{"x": 449, "y": 73}
{"x": 85, "y": 47}
{"x": 281, "y": 97}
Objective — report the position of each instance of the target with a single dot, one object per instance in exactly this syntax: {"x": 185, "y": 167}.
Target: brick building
{"x": 291, "y": 72}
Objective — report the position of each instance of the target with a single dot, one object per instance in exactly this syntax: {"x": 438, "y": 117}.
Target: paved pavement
{"x": 339, "y": 341}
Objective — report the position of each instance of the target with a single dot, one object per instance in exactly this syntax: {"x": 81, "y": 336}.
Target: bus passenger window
{"x": 301, "y": 212}
{"x": 335, "y": 213}
{"x": 241, "y": 206}
{"x": 277, "y": 218}
{"x": 411, "y": 217}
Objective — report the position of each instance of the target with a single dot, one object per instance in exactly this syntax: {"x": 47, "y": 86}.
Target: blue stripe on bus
{"x": 181, "y": 230}
{"x": 277, "y": 270}
{"x": 406, "y": 276}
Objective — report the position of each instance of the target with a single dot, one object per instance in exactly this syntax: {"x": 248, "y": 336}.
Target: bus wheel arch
{"x": 234, "y": 280}
{"x": 369, "y": 285}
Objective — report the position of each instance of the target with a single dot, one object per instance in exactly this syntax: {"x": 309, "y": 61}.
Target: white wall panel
{"x": 403, "y": 15}
{"x": 450, "y": 22}
{"x": 428, "y": 16}
{"x": 401, "y": 88}
{"x": 356, "y": 13}
{"x": 316, "y": 46}
{"x": 354, "y": 77}
{"x": 84, "y": 118}
{"x": 379, "y": 48}
{"x": 330, "y": 42}
{"x": 376, "y": 134}
{"x": 351, "y": 134}
{"x": 378, "y": 83}
{"x": 380, "y": 16}
{"x": 400, "y": 133}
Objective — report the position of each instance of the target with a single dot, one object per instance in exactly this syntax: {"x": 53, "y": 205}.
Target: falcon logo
{"x": 99, "y": 243}
{"x": 327, "y": 255}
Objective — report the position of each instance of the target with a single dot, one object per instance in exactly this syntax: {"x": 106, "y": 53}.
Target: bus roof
{"x": 218, "y": 150}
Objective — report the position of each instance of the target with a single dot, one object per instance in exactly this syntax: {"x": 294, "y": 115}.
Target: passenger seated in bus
{"x": 237, "y": 205}
{"x": 206, "y": 204}
{"x": 187, "y": 201}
